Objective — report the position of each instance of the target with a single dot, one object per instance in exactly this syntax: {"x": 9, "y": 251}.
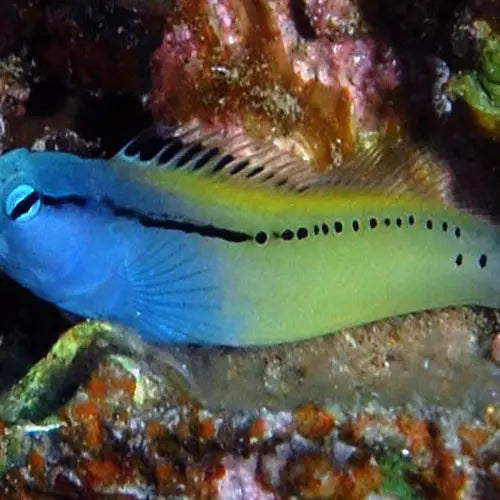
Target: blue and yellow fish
{"x": 198, "y": 237}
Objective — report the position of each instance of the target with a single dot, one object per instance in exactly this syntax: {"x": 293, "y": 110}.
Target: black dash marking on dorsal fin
{"x": 255, "y": 171}
{"x": 164, "y": 222}
{"x": 396, "y": 168}
{"x": 188, "y": 154}
{"x": 222, "y": 162}
{"x": 225, "y": 155}
{"x": 237, "y": 166}
{"x": 170, "y": 151}
{"x": 204, "y": 157}
{"x": 147, "y": 145}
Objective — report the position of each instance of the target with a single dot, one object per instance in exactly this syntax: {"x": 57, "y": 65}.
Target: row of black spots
{"x": 457, "y": 231}
{"x": 387, "y": 222}
{"x": 301, "y": 234}
{"x": 444, "y": 227}
{"x": 323, "y": 229}
{"x": 373, "y": 222}
{"x": 398, "y": 222}
{"x": 261, "y": 238}
{"x": 481, "y": 261}
{"x": 338, "y": 226}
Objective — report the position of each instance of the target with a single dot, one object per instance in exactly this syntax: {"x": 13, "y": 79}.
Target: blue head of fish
{"x": 50, "y": 233}
{"x": 72, "y": 230}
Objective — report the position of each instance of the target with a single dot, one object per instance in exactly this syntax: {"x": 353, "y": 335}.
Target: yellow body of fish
{"x": 320, "y": 259}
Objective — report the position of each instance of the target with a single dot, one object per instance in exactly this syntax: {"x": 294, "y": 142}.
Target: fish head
{"x": 41, "y": 236}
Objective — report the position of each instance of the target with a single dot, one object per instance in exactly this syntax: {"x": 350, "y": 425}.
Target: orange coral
{"x": 206, "y": 429}
{"x": 313, "y": 422}
{"x": 442, "y": 479}
{"x": 416, "y": 431}
{"x": 97, "y": 387}
{"x": 472, "y": 438}
{"x": 154, "y": 430}
{"x": 86, "y": 415}
{"x": 36, "y": 462}
{"x": 315, "y": 477}
{"x": 107, "y": 382}
{"x": 36, "y": 466}
{"x": 169, "y": 480}
{"x": 257, "y": 430}
{"x": 102, "y": 472}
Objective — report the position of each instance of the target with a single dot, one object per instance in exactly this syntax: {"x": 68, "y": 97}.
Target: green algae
{"x": 394, "y": 469}
{"x": 71, "y": 359}
{"x": 480, "y": 87}
{"x": 33, "y": 395}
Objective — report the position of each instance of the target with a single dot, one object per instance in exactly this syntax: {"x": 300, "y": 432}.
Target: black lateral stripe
{"x": 149, "y": 221}
{"x": 186, "y": 227}
{"x": 54, "y": 201}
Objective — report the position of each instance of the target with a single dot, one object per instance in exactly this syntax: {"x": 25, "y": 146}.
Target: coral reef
{"x": 14, "y": 91}
{"x": 245, "y": 63}
{"x": 124, "y": 434}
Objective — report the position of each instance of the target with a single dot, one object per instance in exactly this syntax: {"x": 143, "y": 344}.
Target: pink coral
{"x": 332, "y": 18}
{"x": 246, "y": 63}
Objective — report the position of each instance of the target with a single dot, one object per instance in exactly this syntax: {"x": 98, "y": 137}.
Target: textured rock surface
{"x": 125, "y": 432}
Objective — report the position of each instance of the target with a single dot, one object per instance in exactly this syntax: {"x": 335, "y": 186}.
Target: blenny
{"x": 189, "y": 236}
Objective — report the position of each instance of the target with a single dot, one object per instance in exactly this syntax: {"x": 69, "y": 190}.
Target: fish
{"x": 196, "y": 236}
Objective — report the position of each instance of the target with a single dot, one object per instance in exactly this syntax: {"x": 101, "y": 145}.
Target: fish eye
{"x": 22, "y": 203}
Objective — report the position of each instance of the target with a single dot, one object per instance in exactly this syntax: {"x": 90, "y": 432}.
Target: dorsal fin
{"x": 397, "y": 168}
{"x": 391, "y": 167}
{"x": 225, "y": 155}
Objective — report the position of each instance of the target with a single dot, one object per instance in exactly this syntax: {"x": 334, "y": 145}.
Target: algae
{"x": 480, "y": 87}
{"x": 394, "y": 469}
